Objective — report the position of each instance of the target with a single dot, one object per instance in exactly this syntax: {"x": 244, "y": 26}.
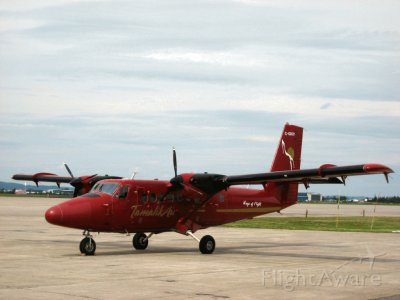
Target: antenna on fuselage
{"x": 135, "y": 173}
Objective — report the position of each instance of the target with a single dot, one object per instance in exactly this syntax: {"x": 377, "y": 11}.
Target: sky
{"x": 109, "y": 87}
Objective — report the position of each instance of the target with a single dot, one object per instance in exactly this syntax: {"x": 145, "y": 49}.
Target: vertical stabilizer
{"x": 287, "y": 157}
{"x": 288, "y": 152}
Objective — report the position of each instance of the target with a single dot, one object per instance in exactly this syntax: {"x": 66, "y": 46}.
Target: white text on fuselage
{"x": 159, "y": 211}
{"x": 251, "y": 204}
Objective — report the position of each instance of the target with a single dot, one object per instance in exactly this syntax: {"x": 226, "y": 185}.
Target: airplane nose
{"x": 54, "y": 215}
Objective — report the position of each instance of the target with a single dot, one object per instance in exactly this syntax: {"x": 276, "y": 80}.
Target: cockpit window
{"x": 108, "y": 188}
{"x": 123, "y": 192}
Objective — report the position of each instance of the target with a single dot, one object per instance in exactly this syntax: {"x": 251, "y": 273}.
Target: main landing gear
{"x": 140, "y": 241}
{"x": 206, "y": 244}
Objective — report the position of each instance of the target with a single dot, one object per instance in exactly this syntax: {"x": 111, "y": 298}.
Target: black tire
{"x": 207, "y": 244}
{"x": 139, "y": 242}
{"x": 87, "y": 246}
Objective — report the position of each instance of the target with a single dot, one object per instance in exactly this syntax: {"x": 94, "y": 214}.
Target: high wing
{"x": 323, "y": 174}
{"x": 329, "y": 174}
{"x": 43, "y": 177}
{"x": 81, "y": 184}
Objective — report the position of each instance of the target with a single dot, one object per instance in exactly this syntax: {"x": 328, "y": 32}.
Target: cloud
{"x": 326, "y": 105}
{"x": 217, "y": 79}
{"x": 262, "y": 138}
{"x": 26, "y": 5}
{"x": 17, "y": 25}
{"x": 207, "y": 57}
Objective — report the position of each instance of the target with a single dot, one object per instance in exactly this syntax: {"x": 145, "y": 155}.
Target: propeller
{"x": 177, "y": 181}
{"x": 175, "y": 161}
{"x": 83, "y": 184}
{"x": 77, "y": 183}
{"x": 68, "y": 170}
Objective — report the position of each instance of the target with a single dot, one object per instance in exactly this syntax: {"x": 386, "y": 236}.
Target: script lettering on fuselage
{"x": 251, "y": 204}
{"x": 158, "y": 211}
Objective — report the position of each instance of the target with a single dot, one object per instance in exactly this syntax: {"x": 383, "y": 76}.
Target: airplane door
{"x": 122, "y": 203}
{"x": 107, "y": 210}
{"x": 215, "y": 210}
{"x": 221, "y": 205}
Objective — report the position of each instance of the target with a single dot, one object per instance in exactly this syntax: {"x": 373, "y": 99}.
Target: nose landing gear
{"x": 87, "y": 245}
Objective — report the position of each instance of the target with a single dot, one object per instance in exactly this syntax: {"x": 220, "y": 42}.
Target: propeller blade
{"x": 68, "y": 170}
{"x": 175, "y": 162}
{"x": 176, "y": 181}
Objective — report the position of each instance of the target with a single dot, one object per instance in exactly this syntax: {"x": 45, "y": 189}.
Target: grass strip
{"x": 352, "y": 224}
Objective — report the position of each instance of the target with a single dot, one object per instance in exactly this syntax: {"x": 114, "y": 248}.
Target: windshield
{"x": 108, "y": 188}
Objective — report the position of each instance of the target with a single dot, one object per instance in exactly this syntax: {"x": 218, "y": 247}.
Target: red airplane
{"x": 190, "y": 201}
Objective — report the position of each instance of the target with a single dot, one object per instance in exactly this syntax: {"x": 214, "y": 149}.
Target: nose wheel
{"x": 87, "y": 246}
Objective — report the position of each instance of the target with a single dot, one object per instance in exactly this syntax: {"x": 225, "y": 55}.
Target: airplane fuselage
{"x": 146, "y": 206}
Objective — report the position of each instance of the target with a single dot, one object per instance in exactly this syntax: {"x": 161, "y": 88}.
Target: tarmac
{"x": 42, "y": 261}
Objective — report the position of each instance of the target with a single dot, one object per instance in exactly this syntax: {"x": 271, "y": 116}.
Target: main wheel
{"x": 139, "y": 241}
{"x": 87, "y": 246}
{"x": 207, "y": 244}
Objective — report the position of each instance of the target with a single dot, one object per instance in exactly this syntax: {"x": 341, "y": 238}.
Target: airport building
{"x": 309, "y": 196}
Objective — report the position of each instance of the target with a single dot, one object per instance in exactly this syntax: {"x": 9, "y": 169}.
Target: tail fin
{"x": 287, "y": 157}
{"x": 288, "y": 152}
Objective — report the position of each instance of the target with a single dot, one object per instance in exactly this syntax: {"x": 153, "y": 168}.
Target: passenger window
{"x": 144, "y": 197}
{"x": 178, "y": 198}
{"x": 153, "y": 197}
{"x": 169, "y": 197}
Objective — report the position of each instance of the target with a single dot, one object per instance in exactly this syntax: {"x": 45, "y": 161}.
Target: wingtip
{"x": 377, "y": 169}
